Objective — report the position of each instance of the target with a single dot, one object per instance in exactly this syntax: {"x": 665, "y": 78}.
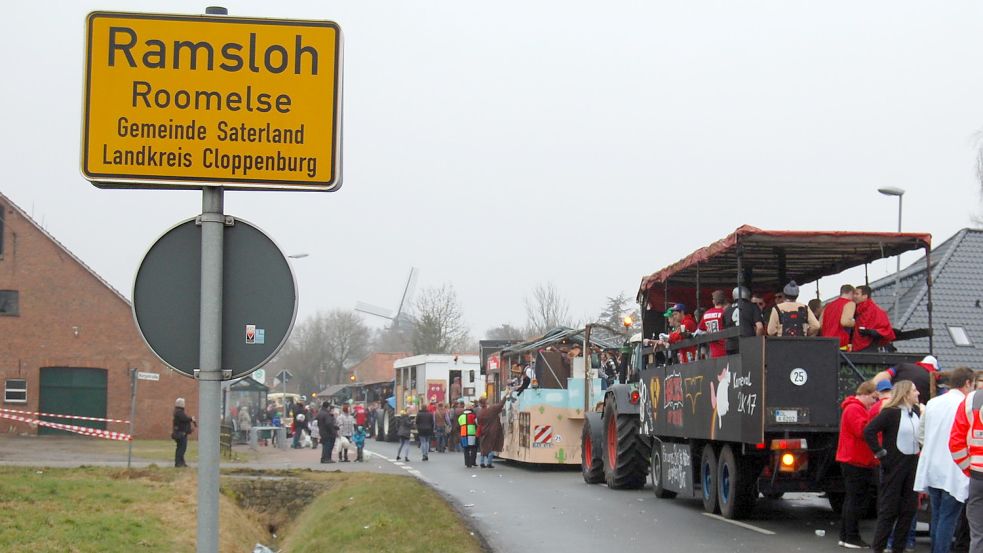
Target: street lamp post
{"x": 895, "y": 191}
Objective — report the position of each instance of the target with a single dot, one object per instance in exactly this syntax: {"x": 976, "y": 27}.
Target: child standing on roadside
{"x": 358, "y": 438}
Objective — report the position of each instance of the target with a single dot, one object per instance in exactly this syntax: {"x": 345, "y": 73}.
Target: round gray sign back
{"x": 259, "y": 299}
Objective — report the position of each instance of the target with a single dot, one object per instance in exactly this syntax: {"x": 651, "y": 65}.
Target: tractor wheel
{"x": 591, "y": 463}
{"x": 737, "y": 488}
{"x": 389, "y": 424}
{"x": 656, "y": 471}
{"x": 708, "y": 479}
{"x": 625, "y": 451}
{"x": 380, "y": 431}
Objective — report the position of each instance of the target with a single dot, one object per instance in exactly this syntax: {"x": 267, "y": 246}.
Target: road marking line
{"x": 744, "y": 525}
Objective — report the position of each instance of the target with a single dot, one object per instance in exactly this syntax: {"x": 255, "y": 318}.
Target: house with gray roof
{"x": 957, "y": 301}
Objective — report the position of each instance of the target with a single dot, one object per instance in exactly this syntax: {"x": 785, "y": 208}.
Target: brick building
{"x": 69, "y": 339}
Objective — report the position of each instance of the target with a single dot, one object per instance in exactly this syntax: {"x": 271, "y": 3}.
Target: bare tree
{"x": 546, "y": 310}
{"x": 439, "y": 323}
{"x": 321, "y": 348}
{"x": 505, "y": 332}
{"x": 346, "y": 341}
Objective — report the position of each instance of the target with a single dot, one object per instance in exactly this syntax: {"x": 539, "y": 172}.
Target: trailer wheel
{"x": 591, "y": 463}
{"x": 708, "y": 479}
{"x": 736, "y": 486}
{"x": 625, "y": 452}
{"x": 656, "y": 471}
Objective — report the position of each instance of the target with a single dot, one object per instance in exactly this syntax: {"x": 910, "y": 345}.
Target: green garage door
{"x": 72, "y": 391}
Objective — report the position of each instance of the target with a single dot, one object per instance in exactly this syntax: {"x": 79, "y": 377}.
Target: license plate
{"x": 786, "y": 415}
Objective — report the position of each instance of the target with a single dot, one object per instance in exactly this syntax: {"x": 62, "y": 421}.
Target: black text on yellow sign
{"x": 189, "y": 101}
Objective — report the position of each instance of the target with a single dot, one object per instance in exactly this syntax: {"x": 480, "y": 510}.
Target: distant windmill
{"x": 400, "y": 317}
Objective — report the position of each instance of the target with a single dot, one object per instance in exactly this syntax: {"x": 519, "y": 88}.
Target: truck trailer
{"x": 762, "y": 419}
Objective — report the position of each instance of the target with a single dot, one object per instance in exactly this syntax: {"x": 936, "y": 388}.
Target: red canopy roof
{"x": 805, "y": 256}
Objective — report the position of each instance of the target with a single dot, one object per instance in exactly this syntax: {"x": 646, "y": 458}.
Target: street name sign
{"x": 154, "y": 377}
{"x": 176, "y": 101}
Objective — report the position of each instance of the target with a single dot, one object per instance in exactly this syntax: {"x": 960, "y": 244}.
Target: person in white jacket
{"x": 937, "y": 474}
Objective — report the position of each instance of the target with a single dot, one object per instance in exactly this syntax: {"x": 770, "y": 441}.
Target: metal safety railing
{"x": 225, "y": 441}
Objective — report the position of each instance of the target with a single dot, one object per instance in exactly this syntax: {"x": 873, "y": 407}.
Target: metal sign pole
{"x": 133, "y": 415}
{"x": 210, "y": 368}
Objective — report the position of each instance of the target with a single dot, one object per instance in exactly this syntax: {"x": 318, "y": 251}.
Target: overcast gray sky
{"x": 493, "y": 144}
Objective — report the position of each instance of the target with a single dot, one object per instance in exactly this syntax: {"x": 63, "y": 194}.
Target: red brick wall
{"x": 70, "y": 318}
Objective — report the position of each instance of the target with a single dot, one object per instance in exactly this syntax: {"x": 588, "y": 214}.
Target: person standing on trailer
{"x": 744, "y": 314}
{"x": 872, "y": 327}
{"x": 791, "y": 318}
{"x": 713, "y": 321}
{"x": 837, "y": 318}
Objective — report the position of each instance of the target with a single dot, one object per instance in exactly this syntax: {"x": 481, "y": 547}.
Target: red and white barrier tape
{"x": 84, "y": 430}
{"x": 61, "y": 416}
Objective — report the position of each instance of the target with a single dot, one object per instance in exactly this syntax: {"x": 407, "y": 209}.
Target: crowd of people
{"x": 892, "y": 443}
{"x": 854, "y": 318}
{"x": 472, "y": 429}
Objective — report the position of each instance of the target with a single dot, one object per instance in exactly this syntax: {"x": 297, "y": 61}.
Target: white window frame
{"x": 7, "y": 389}
{"x": 960, "y": 337}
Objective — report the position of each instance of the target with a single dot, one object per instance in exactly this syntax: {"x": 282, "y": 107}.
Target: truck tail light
{"x": 797, "y": 443}
{"x": 634, "y": 397}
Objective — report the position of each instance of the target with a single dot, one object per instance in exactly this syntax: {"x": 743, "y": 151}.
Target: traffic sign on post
{"x": 192, "y": 101}
{"x": 258, "y": 291}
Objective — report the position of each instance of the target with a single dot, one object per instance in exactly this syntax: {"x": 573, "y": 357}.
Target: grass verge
{"x": 108, "y": 510}
{"x": 379, "y": 512}
{"x": 152, "y": 510}
{"x": 157, "y": 450}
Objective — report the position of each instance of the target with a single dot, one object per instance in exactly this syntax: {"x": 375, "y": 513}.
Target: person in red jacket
{"x": 837, "y": 318}
{"x": 857, "y": 462}
{"x": 713, "y": 321}
{"x": 966, "y": 447}
{"x": 683, "y": 326}
{"x": 872, "y": 328}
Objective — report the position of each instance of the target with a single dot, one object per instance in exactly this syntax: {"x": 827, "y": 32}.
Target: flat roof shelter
{"x": 765, "y": 260}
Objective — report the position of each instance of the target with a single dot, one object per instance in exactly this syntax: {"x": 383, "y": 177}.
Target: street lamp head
{"x": 298, "y": 255}
{"x": 891, "y": 191}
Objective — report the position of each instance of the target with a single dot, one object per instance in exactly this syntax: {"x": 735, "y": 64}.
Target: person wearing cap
{"x": 683, "y": 326}
{"x": 791, "y": 318}
{"x": 837, "y": 318}
{"x": 872, "y": 327}
{"x": 922, "y": 374}
{"x": 856, "y": 461}
{"x": 713, "y": 321}
{"x": 884, "y": 390}
{"x": 744, "y": 314}
{"x": 183, "y": 425}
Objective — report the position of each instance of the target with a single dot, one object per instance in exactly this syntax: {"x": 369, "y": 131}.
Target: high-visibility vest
{"x": 966, "y": 436}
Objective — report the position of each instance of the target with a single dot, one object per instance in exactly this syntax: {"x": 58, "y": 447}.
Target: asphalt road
{"x": 520, "y": 509}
